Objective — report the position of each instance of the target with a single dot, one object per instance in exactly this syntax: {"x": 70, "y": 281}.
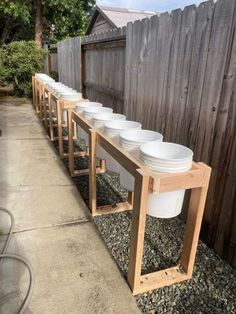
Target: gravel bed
{"x": 212, "y": 288}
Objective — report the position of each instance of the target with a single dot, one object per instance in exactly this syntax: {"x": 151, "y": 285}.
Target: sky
{"x": 151, "y": 5}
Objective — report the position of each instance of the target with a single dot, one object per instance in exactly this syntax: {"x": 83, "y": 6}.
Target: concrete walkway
{"x": 74, "y": 272}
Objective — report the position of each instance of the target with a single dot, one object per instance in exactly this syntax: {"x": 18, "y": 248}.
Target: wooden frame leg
{"x": 59, "y": 126}
{"x": 193, "y": 224}
{"x": 138, "y": 228}
{"x": 36, "y": 97}
{"x": 51, "y": 130}
{"x": 45, "y": 104}
{"x": 33, "y": 90}
{"x": 74, "y": 131}
{"x": 102, "y": 165}
{"x": 92, "y": 172}
{"x": 40, "y": 103}
{"x": 130, "y": 198}
{"x": 70, "y": 144}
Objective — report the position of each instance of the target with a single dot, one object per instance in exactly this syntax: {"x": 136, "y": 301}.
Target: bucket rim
{"x": 155, "y": 144}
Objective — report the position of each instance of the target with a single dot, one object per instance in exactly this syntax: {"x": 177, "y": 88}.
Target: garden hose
{"x": 21, "y": 259}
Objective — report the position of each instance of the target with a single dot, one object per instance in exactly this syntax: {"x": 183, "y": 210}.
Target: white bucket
{"x": 166, "y": 158}
{"x": 69, "y": 96}
{"x": 131, "y": 140}
{"x": 99, "y": 121}
{"x": 44, "y": 77}
{"x": 112, "y": 129}
{"x": 90, "y": 112}
{"x": 63, "y": 90}
{"x": 53, "y": 85}
{"x": 80, "y": 107}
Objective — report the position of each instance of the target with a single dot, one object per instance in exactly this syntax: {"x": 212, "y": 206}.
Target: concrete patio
{"x": 73, "y": 271}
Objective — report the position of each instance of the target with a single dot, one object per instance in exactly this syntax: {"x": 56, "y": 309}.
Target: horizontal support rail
{"x": 105, "y": 44}
{"x": 88, "y": 41}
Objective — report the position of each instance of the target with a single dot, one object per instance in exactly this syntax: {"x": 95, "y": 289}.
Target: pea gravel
{"x": 212, "y": 288}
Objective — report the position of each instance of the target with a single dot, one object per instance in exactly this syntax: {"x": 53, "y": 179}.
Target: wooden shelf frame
{"x": 147, "y": 181}
{"x": 44, "y": 108}
{"x": 46, "y": 113}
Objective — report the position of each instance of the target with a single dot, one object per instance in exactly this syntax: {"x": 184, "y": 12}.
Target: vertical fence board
{"x": 69, "y": 56}
{"x": 104, "y": 55}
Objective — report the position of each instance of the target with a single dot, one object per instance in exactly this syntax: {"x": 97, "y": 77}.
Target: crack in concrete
{"x": 55, "y": 225}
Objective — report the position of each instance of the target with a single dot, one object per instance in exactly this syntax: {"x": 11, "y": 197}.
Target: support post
{"x": 40, "y": 102}
{"x": 92, "y": 171}
{"x": 193, "y": 224}
{"x": 138, "y": 228}
{"x": 45, "y": 110}
{"x": 59, "y": 126}
{"x": 51, "y": 130}
{"x": 70, "y": 143}
{"x": 130, "y": 198}
{"x": 33, "y": 90}
{"x": 36, "y": 96}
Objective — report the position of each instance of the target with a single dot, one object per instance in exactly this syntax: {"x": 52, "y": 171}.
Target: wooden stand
{"x": 42, "y": 98}
{"x": 146, "y": 181}
{"x": 86, "y": 127}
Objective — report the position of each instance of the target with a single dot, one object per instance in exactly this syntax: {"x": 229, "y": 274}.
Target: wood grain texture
{"x": 180, "y": 80}
{"x": 69, "y": 56}
{"x": 104, "y": 68}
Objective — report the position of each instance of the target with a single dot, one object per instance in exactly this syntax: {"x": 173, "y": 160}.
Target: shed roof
{"x": 118, "y": 17}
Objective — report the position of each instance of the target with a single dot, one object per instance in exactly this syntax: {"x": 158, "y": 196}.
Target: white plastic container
{"x": 98, "y": 122}
{"x": 69, "y": 96}
{"x": 52, "y": 85}
{"x": 88, "y": 115}
{"x": 58, "y": 90}
{"x": 166, "y": 158}
{"x": 90, "y": 112}
{"x": 44, "y": 77}
{"x": 131, "y": 140}
{"x": 80, "y": 107}
{"x": 112, "y": 129}
{"x": 100, "y": 119}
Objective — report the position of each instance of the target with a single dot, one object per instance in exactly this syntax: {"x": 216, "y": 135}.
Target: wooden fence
{"x": 69, "y": 62}
{"x": 103, "y": 67}
{"x": 176, "y": 73}
{"x": 51, "y": 61}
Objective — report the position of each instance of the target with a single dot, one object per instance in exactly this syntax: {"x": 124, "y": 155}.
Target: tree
{"x": 69, "y": 18}
{"x": 43, "y": 19}
{"x": 19, "y": 61}
{"x": 15, "y": 16}
{"x": 38, "y": 23}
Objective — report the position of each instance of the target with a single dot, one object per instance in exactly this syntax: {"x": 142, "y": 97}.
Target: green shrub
{"x": 19, "y": 61}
